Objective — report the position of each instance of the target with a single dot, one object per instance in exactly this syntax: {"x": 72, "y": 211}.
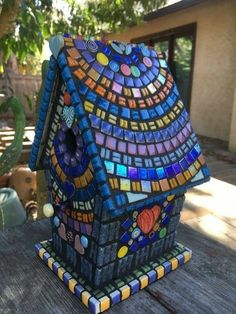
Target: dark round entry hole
{"x": 70, "y": 141}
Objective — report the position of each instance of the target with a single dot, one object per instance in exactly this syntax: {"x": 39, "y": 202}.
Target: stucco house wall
{"x": 214, "y": 65}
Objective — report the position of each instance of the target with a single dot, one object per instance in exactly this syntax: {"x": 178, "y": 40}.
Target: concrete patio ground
{"x": 211, "y": 207}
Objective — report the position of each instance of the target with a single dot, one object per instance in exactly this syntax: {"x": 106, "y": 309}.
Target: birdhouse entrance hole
{"x": 70, "y": 141}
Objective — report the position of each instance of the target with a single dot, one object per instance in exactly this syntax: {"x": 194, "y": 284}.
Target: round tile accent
{"x": 102, "y": 59}
{"x": 116, "y": 48}
{"x": 92, "y": 46}
{"x": 114, "y": 66}
{"x": 162, "y": 233}
{"x": 135, "y": 71}
{"x": 128, "y": 50}
{"x": 84, "y": 241}
{"x": 122, "y": 251}
{"x": 125, "y": 69}
{"x": 147, "y": 61}
{"x": 56, "y": 221}
{"x": 48, "y": 210}
{"x": 145, "y": 51}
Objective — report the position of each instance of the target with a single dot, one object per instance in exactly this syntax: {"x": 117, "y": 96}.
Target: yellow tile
{"x": 180, "y": 104}
{"x": 115, "y": 182}
{"x": 125, "y": 184}
{"x": 152, "y": 125}
{"x": 112, "y": 119}
{"x": 60, "y": 272}
{"x": 170, "y": 197}
{"x": 83, "y": 180}
{"x": 77, "y": 182}
{"x": 174, "y": 263}
{"x": 85, "y": 297}
{"x": 143, "y": 281}
{"x": 159, "y": 123}
{"x": 63, "y": 177}
{"x": 93, "y": 74}
{"x": 197, "y": 164}
{"x": 160, "y": 271}
{"x": 134, "y": 125}
{"x": 72, "y": 284}
{"x": 125, "y": 292}
{"x": 88, "y": 106}
{"x": 50, "y": 262}
{"x": 192, "y": 170}
{"x": 123, "y": 123}
{"x": 187, "y": 175}
{"x": 54, "y": 159}
{"x": 166, "y": 119}
{"x": 104, "y": 304}
{"x": 187, "y": 256}
{"x": 58, "y": 170}
{"x": 41, "y": 252}
{"x": 173, "y": 183}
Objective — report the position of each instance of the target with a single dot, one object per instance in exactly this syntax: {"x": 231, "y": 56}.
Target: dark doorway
{"x": 178, "y": 44}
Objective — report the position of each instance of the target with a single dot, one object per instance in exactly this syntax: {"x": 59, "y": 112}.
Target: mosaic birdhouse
{"x": 119, "y": 152}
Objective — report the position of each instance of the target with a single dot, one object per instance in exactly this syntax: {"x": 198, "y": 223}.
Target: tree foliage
{"x": 34, "y": 21}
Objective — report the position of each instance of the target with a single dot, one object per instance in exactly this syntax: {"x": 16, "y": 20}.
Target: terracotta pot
{"x": 23, "y": 180}
{"x": 4, "y": 180}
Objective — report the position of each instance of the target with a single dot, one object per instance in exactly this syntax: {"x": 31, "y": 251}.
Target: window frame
{"x": 170, "y": 35}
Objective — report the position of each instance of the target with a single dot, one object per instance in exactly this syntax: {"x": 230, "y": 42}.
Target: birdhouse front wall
{"x": 96, "y": 245}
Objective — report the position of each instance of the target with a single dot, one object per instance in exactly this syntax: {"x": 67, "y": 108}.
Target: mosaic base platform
{"x": 100, "y": 300}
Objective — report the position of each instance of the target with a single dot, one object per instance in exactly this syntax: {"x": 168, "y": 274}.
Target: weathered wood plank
{"x": 207, "y": 284}
{"x": 28, "y": 286}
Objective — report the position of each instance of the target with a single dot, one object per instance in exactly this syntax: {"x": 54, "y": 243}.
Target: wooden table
{"x": 207, "y": 284}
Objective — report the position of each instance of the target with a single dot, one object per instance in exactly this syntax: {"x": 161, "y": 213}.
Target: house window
{"x": 178, "y": 45}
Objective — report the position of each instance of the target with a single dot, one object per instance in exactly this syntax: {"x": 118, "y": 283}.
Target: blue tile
{"x": 152, "y": 275}
{"x": 55, "y": 267}
{"x": 66, "y": 277}
{"x": 167, "y": 266}
{"x": 135, "y": 286}
{"x": 78, "y": 290}
{"x": 180, "y": 259}
{"x": 115, "y": 297}
{"x": 127, "y": 223}
{"x": 94, "y": 305}
{"x": 125, "y": 237}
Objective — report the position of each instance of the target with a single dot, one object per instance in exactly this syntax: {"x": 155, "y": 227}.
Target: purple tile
{"x": 176, "y": 168}
{"x": 77, "y": 225}
{"x": 100, "y": 138}
{"x": 133, "y": 173}
{"x": 98, "y": 67}
{"x": 71, "y": 223}
{"x": 111, "y": 142}
{"x": 79, "y": 44}
{"x": 132, "y": 148}
{"x": 168, "y": 145}
{"x": 122, "y": 147}
{"x": 160, "y": 148}
{"x": 151, "y": 149}
{"x": 73, "y": 161}
{"x": 117, "y": 87}
{"x": 88, "y": 57}
{"x": 142, "y": 149}
{"x": 88, "y": 229}
{"x": 180, "y": 137}
{"x": 175, "y": 142}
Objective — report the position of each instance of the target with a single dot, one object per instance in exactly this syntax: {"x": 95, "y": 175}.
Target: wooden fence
{"x": 22, "y": 85}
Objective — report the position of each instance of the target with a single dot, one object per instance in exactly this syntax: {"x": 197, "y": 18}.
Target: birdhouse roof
{"x": 136, "y": 129}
